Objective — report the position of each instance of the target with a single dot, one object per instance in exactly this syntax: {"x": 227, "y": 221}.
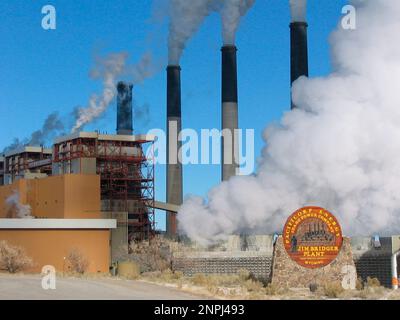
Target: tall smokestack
{"x": 230, "y": 120}
{"x": 174, "y": 127}
{"x": 298, "y": 51}
{"x": 124, "y": 108}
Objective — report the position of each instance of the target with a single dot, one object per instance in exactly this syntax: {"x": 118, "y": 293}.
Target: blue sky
{"x": 46, "y": 71}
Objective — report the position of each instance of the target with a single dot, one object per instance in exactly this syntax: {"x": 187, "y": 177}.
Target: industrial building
{"x": 94, "y": 182}
{"x": 126, "y": 172}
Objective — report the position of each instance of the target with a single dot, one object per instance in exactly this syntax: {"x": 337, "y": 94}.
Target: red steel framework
{"x": 127, "y": 178}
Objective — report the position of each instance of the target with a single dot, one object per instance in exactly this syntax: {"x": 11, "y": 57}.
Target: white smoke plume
{"x": 109, "y": 69}
{"x": 232, "y": 12}
{"x": 52, "y": 126}
{"x": 185, "y": 19}
{"x": 339, "y": 150}
{"x": 21, "y": 211}
{"x": 298, "y": 10}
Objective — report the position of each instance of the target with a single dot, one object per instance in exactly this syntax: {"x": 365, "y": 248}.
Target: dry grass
{"x": 373, "y": 283}
{"x": 372, "y": 289}
{"x": 333, "y": 289}
{"x": 77, "y": 261}
{"x": 272, "y": 290}
{"x": 13, "y": 258}
{"x": 240, "y": 285}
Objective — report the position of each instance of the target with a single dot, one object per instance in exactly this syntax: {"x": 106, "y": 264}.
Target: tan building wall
{"x": 7, "y": 191}
{"x": 49, "y": 247}
{"x": 72, "y": 196}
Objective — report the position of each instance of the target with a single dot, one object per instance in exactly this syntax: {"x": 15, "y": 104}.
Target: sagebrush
{"x": 77, "y": 261}
{"x": 13, "y": 258}
{"x": 333, "y": 289}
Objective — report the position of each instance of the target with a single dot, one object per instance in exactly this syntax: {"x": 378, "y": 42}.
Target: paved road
{"x": 29, "y": 288}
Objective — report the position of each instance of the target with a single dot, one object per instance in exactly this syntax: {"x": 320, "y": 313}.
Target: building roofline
{"x": 28, "y": 149}
{"x": 106, "y": 137}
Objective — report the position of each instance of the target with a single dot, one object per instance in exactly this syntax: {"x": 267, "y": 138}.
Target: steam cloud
{"x": 22, "y": 211}
{"x": 339, "y": 150}
{"x": 186, "y": 18}
{"x": 298, "y": 10}
{"x": 231, "y": 12}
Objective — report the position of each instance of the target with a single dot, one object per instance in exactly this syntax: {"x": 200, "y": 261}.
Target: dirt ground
{"x": 232, "y": 287}
{"x": 28, "y": 287}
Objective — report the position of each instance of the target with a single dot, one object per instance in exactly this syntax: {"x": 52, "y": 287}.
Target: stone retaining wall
{"x": 287, "y": 273}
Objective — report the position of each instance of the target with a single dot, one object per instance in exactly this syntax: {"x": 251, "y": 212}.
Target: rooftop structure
{"x": 26, "y": 162}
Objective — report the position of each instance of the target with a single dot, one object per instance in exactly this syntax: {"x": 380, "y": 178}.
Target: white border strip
{"x": 58, "y": 224}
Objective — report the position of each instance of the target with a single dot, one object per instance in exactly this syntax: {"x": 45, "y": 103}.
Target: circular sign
{"x": 312, "y": 237}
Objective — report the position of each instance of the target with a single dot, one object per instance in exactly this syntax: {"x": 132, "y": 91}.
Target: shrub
{"x": 200, "y": 279}
{"x": 243, "y": 274}
{"x": 13, "y": 258}
{"x": 373, "y": 282}
{"x": 166, "y": 276}
{"x": 177, "y": 275}
{"x": 333, "y": 289}
{"x": 271, "y": 290}
{"x": 359, "y": 284}
{"x": 77, "y": 261}
{"x": 253, "y": 286}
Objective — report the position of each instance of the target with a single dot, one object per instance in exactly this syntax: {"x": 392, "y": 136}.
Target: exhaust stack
{"x": 298, "y": 51}
{"x": 230, "y": 122}
{"x": 124, "y": 108}
{"x": 174, "y": 127}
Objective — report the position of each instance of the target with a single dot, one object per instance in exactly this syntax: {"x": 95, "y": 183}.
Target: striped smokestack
{"x": 229, "y": 111}
{"x": 124, "y": 108}
{"x": 298, "y": 51}
{"x": 174, "y": 126}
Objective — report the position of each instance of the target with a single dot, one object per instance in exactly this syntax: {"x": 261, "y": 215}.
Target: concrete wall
{"x": 119, "y": 235}
{"x": 253, "y": 253}
{"x": 75, "y": 166}
{"x": 49, "y": 247}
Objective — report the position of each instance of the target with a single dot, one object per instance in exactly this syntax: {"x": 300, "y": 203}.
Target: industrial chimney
{"x": 124, "y": 108}
{"x": 230, "y": 120}
{"x": 174, "y": 127}
{"x": 298, "y": 51}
